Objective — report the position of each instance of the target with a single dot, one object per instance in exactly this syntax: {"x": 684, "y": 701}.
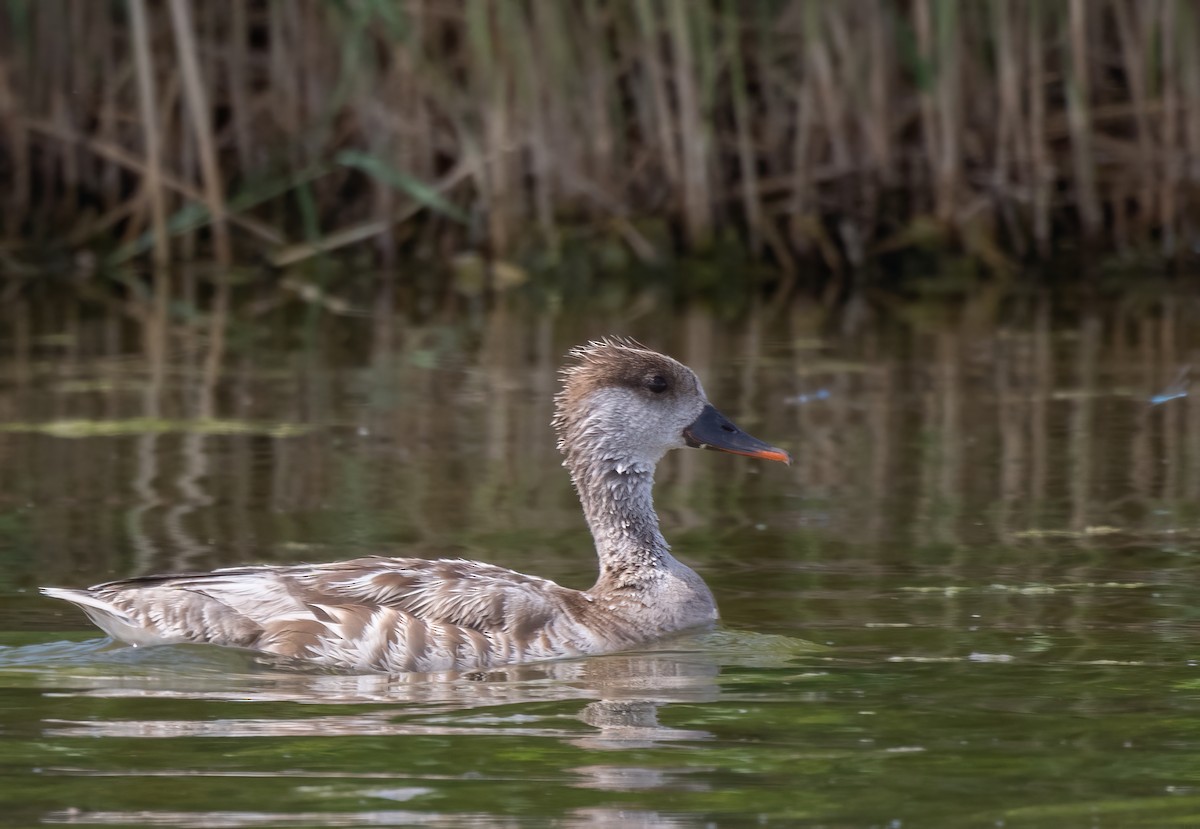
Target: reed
{"x": 804, "y": 129}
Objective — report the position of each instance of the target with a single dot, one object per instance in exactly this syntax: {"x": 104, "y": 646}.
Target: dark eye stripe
{"x": 656, "y": 383}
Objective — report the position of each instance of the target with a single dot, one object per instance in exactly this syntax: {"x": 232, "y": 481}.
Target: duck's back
{"x": 374, "y": 613}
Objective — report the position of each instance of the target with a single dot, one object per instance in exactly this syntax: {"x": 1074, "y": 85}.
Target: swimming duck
{"x": 621, "y": 408}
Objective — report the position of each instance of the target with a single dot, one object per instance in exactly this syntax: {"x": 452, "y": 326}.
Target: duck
{"x": 621, "y": 408}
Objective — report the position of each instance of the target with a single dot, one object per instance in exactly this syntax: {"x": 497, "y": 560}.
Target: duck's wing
{"x": 390, "y": 614}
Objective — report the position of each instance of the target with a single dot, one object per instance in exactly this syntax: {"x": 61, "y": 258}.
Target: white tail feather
{"x": 105, "y": 616}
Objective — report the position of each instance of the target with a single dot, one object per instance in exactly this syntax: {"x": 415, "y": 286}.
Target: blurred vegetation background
{"x": 806, "y": 135}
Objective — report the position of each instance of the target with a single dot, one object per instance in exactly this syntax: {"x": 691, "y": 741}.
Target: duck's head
{"x": 626, "y": 405}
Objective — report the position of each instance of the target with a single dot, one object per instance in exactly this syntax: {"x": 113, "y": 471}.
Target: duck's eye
{"x": 656, "y": 383}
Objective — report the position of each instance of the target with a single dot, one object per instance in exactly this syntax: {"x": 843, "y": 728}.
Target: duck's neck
{"x": 617, "y": 501}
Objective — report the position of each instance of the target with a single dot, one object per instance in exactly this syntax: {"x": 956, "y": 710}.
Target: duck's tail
{"x": 110, "y": 619}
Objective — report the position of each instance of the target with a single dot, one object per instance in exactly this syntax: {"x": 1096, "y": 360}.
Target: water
{"x": 972, "y": 601}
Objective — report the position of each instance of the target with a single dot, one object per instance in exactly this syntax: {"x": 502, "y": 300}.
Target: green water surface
{"x": 972, "y": 601}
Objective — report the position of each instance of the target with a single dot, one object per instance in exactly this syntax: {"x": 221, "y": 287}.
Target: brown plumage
{"x": 621, "y": 408}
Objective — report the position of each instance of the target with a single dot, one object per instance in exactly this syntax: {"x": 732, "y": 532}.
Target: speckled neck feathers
{"x": 617, "y": 502}
{"x": 611, "y": 449}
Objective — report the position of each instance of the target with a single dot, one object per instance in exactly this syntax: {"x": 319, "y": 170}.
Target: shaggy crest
{"x": 587, "y": 356}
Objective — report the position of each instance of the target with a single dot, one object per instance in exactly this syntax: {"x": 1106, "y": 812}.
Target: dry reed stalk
{"x": 663, "y": 130}
{"x": 828, "y": 93}
{"x": 19, "y": 149}
{"x": 799, "y": 182}
{"x": 1079, "y": 119}
{"x": 107, "y": 174}
{"x": 949, "y": 67}
{"x": 1170, "y": 128}
{"x": 855, "y": 227}
{"x": 741, "y": 114}
{"x": 877, "y": 118}
{"x": 923, "y": 25}
{"x": 282, "y": 63}
{"x": 1189, "y": 22}
{"x": 147, "y": 98}
{"x": 541, "y": 162}
{"x": 490, "y": 89}
{"x": 599, "y": 74}
{"x": 1129, "y": 33}
{"x": 1008, "y": 127}
{"x": 66, "y": 114}
{"x": 1042, "y": 172}
{"x": 238, "y": 69}
{"x": 1012, "y": 156}
{"x": 693, "y": 130}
